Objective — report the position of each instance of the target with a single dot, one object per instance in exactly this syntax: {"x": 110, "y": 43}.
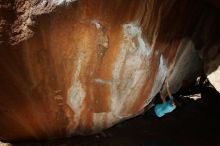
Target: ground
{"x": 192, "y": 123}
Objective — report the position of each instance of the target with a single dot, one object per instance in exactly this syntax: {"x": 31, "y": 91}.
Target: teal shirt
{"x": 164, "y": 108}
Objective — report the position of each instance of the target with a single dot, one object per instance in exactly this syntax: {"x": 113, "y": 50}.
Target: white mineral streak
{"x": 158, "y": 82}
{"x": 129, "y": 76}
{"x": 76, "y": 93}
{"x": 103, "y": 81}
{"x": 130, "y": 71}
{"x": 183, "y": 68}
{"x": 59, "y": 2}
{"x": 97, "y": 24}
{"x": 214, "y": 79}
{"x": 99, "y": 119}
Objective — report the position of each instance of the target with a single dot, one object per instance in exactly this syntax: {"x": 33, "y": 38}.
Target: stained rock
{"x": 79, "y": 66}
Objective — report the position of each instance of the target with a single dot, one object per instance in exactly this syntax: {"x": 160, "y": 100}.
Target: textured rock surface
{"x": 82, "y": 66}
{"x": 214, "y": 78}
{"x": 5, "y": 144}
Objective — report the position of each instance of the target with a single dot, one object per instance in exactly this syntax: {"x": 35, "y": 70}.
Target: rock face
{"x": 77, "y": 67}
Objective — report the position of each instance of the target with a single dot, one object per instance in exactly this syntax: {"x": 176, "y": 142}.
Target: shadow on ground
{"x": 193, "y": 123}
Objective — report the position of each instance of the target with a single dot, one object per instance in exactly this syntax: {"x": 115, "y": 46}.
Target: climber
{"x": 167, "y": 106}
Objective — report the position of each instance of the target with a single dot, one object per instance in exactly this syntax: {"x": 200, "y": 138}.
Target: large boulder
{"x": 80, "y": 66}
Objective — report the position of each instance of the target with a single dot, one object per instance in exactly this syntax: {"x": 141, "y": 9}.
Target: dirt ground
{"x": 193, "y": 123}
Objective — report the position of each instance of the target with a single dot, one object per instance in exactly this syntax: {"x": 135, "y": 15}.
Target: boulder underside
{"x": 80, "y": 66}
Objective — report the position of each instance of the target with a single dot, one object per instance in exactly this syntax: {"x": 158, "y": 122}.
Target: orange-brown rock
{"x": 79, "y": 66}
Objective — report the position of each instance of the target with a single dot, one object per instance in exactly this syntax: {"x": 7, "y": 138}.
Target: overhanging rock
{"x": 78, "y": 67}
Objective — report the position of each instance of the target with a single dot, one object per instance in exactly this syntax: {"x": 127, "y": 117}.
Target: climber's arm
{"x": 168, "y": 89}
{"x": 163, "y": 99}
{"x": 169, "y": 93}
